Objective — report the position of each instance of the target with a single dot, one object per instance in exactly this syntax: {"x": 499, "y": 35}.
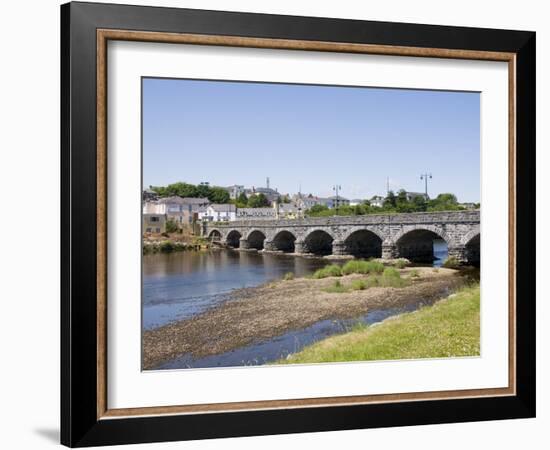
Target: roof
{"x": 225, "y": 207}
{"x": 339, "y": 198}
{"x": 195, "y": 201}
{"x": 256, "y": 211}
{"x": 184, "y": 200}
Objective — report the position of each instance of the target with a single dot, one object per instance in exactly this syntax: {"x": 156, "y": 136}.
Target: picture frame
{"x": 86, "y": 418}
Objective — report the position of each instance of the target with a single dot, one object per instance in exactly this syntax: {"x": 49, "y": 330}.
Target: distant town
{"x": 180, "y": 206}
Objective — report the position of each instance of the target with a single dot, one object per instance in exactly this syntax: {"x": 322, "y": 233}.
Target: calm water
{"x": 182, "y": 284}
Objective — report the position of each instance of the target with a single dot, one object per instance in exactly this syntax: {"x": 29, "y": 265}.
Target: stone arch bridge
{"x": 387, "y": 236}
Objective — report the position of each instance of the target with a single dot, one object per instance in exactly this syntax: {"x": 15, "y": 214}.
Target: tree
{"x": 171, "y": 226}
{"x": 242, "y": 199}
{"x": 218, "y": 195}
{"x": 258, "y": 201}
{"x": 315, "y": 209}
{"x": 419, "y": 203}
{"x": 390, "y": 200}
{"x": 444, "y": 202}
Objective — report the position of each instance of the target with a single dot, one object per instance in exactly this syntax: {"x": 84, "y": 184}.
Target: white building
{"x": 219, "y": 213}
{"x": 335, "y": 202}
{"x": 377, "y": 201}
{"x": 183, "y": 211}
{"x": 235, "y": 191}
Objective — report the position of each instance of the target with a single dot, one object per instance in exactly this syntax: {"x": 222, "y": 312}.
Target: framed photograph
{"x": 278, "y": 224}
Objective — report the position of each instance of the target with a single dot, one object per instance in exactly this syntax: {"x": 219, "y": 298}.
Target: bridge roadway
{"x": 409, "y": 235}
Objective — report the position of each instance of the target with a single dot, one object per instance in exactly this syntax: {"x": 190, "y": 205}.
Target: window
{"x": 154, "y": 219}
{"x": 148, "y": 230}
{"x": 158, "y": 230}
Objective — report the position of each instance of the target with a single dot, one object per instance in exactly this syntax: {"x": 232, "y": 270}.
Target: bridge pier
{"x": 458, "y": 252}
{"x": 269, "y": 246}
{"x": 339, "y": 248}
{"x": 299, "y": 247}
{"x": 389, "y": 251}
{"x": 243, "y": 244}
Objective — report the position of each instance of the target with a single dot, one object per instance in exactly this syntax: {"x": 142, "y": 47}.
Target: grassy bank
{"x": 170, "y": 244}
{"x": 448, "y": 328}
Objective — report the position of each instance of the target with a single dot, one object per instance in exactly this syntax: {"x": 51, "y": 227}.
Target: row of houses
{"x": 188, "y": 212}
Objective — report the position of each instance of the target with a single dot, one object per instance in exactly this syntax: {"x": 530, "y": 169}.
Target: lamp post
{"x": 336, "y": 188}
{"x": 425, "y": 177}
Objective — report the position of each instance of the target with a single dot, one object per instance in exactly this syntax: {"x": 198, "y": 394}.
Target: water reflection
{"x": 181, "y": 284}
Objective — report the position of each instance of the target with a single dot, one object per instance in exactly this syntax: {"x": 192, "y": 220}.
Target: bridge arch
{"x": 318, "y": 242}
{"x": 233, "y": 238}
{"x": 284, "y": 241}
{"x": 215, "y": 235}
{"x": 472, "y": 248}
{"x": 417, "y": 243}
{"x": 256, "y": 239}
{"x": 363, "y": 243}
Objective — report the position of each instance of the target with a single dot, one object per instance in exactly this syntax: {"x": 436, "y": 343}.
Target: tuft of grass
{"x": 390, "y": 272}
{"x": 288, "y": 276}
{"x": 334, "y": 270}
{"x": 451, "y": 263}
{"x": 361, "y": 266}
{"x": 435, "y": 269}
{"x": 400, "y": 263}
{"x": 337, "y": 288}
{"x": 359, "y": 285}
{"x": 449, "y": 328}
{"x": 414, "y": 273}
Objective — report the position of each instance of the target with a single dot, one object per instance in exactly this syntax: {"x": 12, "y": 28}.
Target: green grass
{"x": 451, "y": 263}
{"x": 334, "y": 270}
{"x": 361, "y": 266}
{"x": 359, "y": 285}
{"x": 449, "y": 328}
{"x": 389, "y": 278}
{"x": 400, "y": 263}
{"x": 414, "y": 273}
{"x": 288, "y": 276}
{"x": 337, "y": 288}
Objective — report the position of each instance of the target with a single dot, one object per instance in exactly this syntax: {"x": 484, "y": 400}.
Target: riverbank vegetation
{"x": 390, "y": 277}
{"x": 173, "y": 242}
{"x": 392, "y": 204}
{"x": 264, "y": 312}
{"x": 449, "y": 328}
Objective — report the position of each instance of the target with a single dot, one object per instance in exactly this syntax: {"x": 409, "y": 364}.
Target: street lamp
{"x": 425, "y": 177}
{"x": 336, "y": 188}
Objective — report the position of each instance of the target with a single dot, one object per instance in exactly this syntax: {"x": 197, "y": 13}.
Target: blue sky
{"x": 315, "y": 136}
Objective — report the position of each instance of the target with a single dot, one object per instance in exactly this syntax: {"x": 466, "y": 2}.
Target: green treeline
{"x": 392, "y": 204}
{"x": 213, "y": 193}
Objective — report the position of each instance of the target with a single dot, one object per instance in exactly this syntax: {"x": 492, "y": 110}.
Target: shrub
{"x": 401, "y": 263}
{"x": 451, "y": 263}
{"x": 333, "y": 270}
{"x": 288, "y": 276}
{"x": 171, "y": 226}
{"x": 167, "y": 247}
{"x": 337, "y": 288}
{"x": 358, "y": 285}
{"x": 390, "y": 272}
{"x": 365, "y": 267}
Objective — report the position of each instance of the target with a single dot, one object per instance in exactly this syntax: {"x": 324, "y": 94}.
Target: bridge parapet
{"x": 386, "y": 235}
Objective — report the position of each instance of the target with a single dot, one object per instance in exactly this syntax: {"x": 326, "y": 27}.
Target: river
{"x": 180, "y": 285}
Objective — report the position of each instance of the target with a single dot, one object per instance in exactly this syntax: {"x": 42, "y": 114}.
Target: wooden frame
{"x": 86, "y": 418}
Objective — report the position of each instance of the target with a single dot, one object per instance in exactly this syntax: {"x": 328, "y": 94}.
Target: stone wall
{"x": 389, "y": 231}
